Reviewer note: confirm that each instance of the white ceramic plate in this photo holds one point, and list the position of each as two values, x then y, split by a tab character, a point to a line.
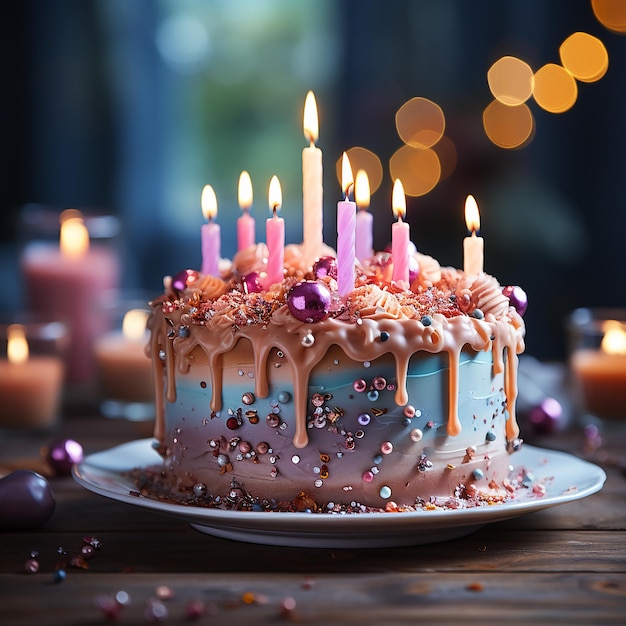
566	478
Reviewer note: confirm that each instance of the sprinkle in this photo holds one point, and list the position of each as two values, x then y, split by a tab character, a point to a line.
384	336
478	474
248	398
416	435
386	447
367	477
364	419
427	320
385	492
409	411
284	397
490	436
295	459
372	395
478	314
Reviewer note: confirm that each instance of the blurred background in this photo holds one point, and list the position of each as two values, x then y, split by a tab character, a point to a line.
129	108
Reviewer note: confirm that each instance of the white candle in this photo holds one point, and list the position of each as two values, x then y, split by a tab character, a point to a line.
245	223
210	233
275	235
312	188
400	237
346	231
473	246
364	219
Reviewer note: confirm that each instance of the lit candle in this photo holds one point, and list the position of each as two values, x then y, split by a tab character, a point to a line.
346	231
210	233
125	369
66	282
245	223
312	189
400	237
473	246
30	386
364	219
275	235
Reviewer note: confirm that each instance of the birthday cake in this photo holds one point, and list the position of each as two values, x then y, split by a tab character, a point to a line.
290	397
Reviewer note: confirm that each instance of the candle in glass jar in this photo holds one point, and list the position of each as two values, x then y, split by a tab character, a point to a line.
30	385
245	223
400	237
275	235
210	233
473	246
66	282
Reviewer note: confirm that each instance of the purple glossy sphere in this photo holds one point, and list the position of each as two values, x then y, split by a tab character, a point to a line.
63	454
325	266
183	279
27	500
545	417
252	283
309	301
517	297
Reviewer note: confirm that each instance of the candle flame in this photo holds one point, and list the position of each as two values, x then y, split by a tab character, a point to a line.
614	340
275	195
311	125
472	216
347	180
244	191
74	238
398	199
134	324
208	201
17	346
362	190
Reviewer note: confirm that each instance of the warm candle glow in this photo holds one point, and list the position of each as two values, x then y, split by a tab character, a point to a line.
472	216
74	239
362	190
275	195
311	124
244	191
208	201
614	340
347	180
398	199
17	346
134	324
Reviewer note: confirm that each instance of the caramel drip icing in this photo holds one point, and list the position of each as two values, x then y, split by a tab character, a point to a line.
359	341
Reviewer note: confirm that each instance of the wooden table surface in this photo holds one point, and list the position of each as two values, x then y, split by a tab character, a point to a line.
563	565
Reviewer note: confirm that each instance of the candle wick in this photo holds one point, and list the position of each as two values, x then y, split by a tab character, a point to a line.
347	192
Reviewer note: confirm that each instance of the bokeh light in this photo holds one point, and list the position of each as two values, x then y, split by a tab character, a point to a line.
585	57
446	151
611	14
363	159
419	169
555	88
420	123
510	80
509	127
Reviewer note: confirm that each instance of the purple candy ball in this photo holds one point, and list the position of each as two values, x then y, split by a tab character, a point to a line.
309	301
252	283
517	297
545	417
325	266
27	500
63	454
183	279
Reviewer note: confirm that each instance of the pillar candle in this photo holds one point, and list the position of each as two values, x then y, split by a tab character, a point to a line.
346	231
312	188
245	223
210	233
364	219
400	237
67	282
473	246
275	235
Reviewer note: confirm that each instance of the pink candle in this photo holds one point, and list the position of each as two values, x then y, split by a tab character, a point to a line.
364	227
245	223
400	237
346	231
210	233
473	246
67	282
312	188
275	235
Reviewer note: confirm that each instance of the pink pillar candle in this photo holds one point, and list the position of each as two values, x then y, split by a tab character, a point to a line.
312	187
364	220
400	238
210	233
473	246
275	236
245	223
346	232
